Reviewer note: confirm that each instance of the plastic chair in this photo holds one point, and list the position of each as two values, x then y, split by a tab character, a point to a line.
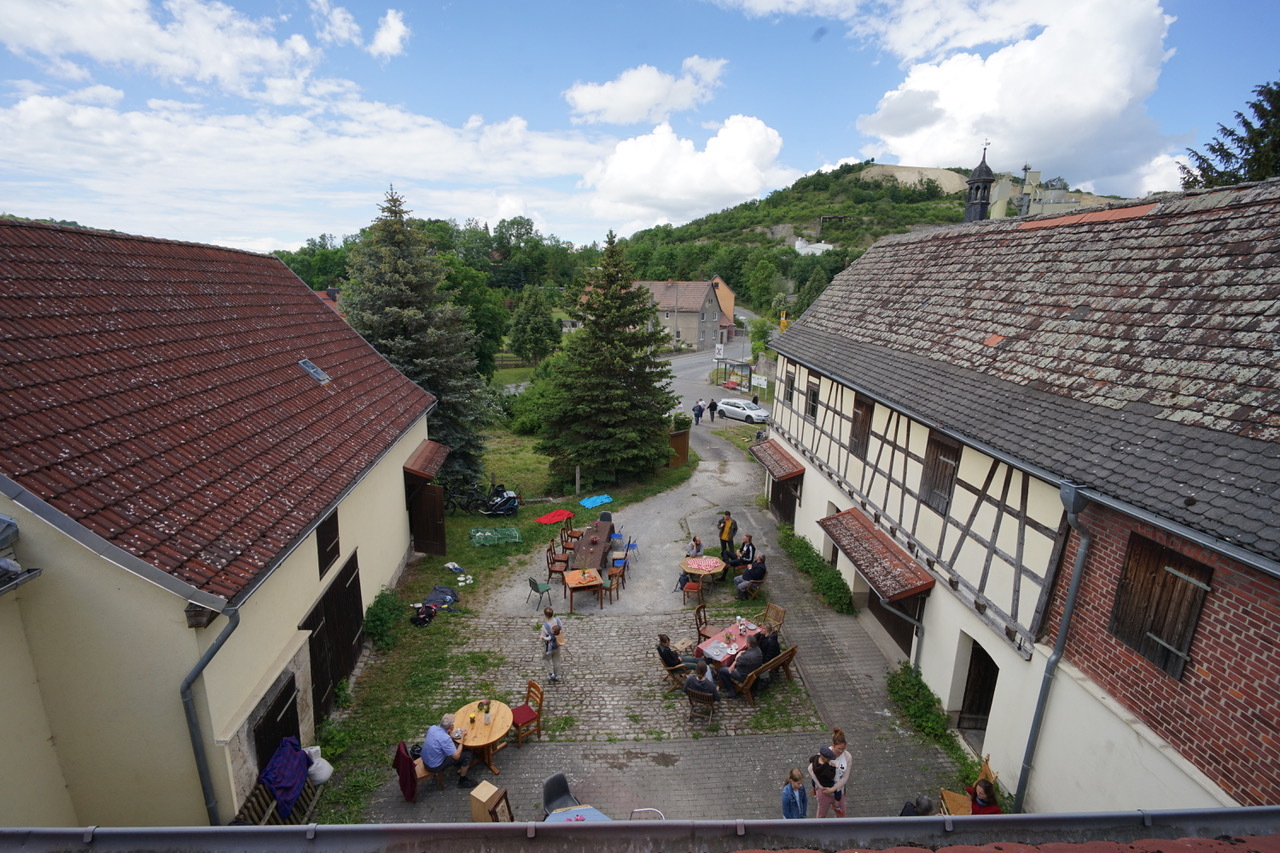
632	549
606	516
541	589
556	794
526	719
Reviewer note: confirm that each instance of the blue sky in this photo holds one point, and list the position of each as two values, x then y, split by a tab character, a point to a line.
259	123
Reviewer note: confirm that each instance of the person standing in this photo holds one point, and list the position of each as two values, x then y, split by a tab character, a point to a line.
842	765
711	409
552	637
823	774
728	530
698	409
755	399
795	802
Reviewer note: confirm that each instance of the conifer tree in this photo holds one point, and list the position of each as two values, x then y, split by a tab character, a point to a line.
392	300
1251	153
608	402
534	331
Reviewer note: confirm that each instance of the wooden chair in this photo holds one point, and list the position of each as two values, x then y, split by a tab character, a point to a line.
701	705
567	543
500	811
782	661
556	563
675	675
540	589
705	631
570	532
951	802
771	613
753	589
526	719
619	571
609	587
424	773
692	589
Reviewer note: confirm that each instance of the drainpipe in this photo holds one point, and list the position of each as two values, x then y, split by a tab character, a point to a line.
919	626
1074	502
193	721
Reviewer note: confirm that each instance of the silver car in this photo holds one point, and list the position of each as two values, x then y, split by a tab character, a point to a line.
742	410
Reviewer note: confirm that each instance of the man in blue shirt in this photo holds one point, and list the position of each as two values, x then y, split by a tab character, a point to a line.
440	749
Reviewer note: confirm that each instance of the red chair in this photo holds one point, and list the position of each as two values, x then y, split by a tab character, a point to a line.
529	715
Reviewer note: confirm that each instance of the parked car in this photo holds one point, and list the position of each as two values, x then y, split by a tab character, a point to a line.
742	410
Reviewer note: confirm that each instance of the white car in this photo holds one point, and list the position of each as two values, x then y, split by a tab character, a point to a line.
742	410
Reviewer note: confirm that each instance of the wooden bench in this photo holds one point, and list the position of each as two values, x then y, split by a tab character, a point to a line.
260	807
782	661
956	803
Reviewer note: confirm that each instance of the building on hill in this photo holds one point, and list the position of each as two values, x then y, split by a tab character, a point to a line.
1057	487
691	311
209	468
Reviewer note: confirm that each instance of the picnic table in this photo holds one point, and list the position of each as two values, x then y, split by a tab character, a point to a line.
494	535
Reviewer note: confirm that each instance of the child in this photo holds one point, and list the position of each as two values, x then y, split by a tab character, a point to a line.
552	642
795	802
823	773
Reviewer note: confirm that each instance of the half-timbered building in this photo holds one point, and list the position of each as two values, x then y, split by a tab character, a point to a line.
1045	454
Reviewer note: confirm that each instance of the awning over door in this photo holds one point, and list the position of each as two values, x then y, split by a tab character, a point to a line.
427	459
877	557
780	464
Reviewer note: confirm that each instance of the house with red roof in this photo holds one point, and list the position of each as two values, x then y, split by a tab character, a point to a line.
692	311
1045	455
205	477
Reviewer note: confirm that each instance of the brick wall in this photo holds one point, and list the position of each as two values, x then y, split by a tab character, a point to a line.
1224	714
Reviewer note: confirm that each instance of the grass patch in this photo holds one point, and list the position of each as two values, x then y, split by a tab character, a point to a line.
922	710
512	375
740	435
781	706
827	580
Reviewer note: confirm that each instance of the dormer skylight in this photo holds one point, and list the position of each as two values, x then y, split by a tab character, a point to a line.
316	373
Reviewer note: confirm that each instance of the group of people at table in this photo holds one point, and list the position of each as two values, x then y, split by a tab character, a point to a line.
730	557
731	668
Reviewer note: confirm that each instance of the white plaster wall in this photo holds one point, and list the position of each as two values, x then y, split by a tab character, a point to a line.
32	789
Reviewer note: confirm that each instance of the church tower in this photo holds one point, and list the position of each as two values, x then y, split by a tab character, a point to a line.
979	199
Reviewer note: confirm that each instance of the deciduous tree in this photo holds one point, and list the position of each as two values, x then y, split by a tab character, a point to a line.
534	331
393	300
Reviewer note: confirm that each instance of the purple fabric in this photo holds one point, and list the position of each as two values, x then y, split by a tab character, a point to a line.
286	774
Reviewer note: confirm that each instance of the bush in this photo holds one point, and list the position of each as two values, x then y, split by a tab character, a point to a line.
385	619
923	711
827	580
681	421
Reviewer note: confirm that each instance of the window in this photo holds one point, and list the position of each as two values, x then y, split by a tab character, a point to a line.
702	316
327	542
941	459
316	373
860	428
1158	603
811	403
790	393
667	316
715	315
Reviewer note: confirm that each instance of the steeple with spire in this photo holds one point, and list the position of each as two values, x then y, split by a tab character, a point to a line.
979	199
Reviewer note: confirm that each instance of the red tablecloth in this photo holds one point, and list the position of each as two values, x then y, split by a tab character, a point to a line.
554	516
739	638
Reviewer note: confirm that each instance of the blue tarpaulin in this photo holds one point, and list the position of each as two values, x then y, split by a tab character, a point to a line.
595	500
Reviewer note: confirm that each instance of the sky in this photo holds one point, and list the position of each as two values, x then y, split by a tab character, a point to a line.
257	124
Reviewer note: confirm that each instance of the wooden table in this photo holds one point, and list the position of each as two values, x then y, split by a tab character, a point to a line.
592	555
583	580
701	567
484	739
740	638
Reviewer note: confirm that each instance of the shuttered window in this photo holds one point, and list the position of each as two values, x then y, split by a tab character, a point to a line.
860	429
941	460
1158	603
327	542
790	394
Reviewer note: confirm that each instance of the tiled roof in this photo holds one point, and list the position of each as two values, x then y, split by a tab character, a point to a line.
1135	350
780	464
876	556
427	459
151	391
677	295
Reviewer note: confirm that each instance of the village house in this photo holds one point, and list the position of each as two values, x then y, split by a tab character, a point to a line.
690	311
1045	454
205	477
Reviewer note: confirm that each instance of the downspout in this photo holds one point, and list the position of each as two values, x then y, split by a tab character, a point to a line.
193	720
1074	502
884	602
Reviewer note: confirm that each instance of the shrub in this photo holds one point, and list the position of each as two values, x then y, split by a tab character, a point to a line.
681	421
923	711
827	580
385	619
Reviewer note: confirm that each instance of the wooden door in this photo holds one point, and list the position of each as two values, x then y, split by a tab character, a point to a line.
425	502
336	624
979	690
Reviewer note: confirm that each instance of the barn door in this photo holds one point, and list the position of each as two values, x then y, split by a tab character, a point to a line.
425	502
336	624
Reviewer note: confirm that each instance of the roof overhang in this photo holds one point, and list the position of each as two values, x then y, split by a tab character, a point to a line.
427	459
780	464
876	556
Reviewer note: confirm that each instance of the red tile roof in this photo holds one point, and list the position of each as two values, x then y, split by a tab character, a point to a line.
150	390
878	558
427	459
780	464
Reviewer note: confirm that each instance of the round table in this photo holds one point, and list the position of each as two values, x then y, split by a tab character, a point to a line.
484	739
702	566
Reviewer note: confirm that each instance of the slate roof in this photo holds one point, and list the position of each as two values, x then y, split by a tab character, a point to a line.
1133	349
677	295
150	390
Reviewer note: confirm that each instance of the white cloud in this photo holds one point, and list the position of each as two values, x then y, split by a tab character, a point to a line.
392	33
660	177
334	24
645	94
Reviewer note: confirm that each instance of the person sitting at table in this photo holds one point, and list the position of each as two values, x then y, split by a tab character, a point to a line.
695	548
441	751
670	657
770	646
754	572
747	555
748	661
700	680
982	798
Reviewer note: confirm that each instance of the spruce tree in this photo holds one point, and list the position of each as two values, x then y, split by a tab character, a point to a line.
393	301
608	402
534	331
1251	153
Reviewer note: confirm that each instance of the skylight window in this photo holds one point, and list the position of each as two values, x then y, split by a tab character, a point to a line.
316	373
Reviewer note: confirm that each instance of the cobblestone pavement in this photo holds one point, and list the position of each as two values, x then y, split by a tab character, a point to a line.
624	742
